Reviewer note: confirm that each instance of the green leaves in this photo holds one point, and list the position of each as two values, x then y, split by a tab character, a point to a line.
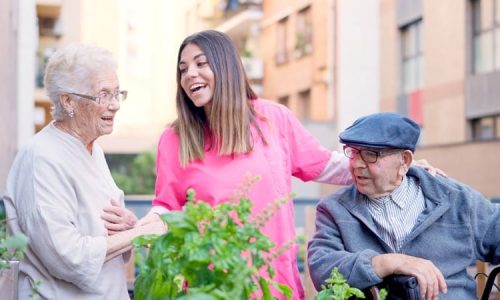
11	247
208	253
338	289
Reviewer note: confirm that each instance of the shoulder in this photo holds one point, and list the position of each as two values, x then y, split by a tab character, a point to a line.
270	108
336	201
438	186
168	138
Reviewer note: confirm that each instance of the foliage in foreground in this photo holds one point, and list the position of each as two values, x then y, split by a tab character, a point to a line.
338	289
210	253
11	247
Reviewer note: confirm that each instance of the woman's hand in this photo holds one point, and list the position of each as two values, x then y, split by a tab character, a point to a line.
150	217
432	170
117	218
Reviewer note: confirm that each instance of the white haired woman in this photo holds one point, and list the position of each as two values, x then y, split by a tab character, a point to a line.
60	192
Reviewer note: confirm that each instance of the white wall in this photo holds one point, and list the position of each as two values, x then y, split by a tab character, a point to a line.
358	60
27	41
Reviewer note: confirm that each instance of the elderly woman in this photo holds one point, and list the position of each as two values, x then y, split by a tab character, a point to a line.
60	192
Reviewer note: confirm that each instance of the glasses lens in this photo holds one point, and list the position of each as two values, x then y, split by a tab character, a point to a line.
122	95
368	156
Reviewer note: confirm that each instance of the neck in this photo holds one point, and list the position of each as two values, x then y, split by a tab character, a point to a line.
71	129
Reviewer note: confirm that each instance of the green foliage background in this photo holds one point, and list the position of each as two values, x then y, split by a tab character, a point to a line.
134	174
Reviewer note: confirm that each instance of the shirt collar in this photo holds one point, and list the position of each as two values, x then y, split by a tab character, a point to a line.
397	196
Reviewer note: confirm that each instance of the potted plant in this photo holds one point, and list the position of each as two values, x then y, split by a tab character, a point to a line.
210	253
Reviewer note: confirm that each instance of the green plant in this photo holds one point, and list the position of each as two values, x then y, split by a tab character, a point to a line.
138	177
11	247
338	289
210	253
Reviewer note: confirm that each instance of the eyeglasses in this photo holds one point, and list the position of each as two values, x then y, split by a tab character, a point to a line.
368	156
105	97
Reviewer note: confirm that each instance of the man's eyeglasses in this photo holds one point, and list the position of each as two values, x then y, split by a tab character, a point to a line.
368	156
105	97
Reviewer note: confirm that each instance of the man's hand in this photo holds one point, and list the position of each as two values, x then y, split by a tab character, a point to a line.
117	218
430	279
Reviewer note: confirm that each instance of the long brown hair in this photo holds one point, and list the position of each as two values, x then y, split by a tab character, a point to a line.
231	114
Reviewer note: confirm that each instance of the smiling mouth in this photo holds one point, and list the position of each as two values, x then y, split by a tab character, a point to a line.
197	87
107	118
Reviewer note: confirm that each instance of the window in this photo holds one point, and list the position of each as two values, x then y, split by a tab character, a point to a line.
412	57
485	35
304	105
412	71
281	56
486	128
284	101
303	34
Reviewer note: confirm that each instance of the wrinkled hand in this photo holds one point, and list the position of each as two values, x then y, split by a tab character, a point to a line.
430	279
149	218
432	170
117	218
156	227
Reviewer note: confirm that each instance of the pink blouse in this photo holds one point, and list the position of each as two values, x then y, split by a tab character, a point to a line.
290	151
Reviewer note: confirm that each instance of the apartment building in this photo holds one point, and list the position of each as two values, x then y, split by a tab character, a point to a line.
440	65
316	63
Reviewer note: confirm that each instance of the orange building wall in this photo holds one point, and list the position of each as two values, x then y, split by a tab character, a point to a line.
297	74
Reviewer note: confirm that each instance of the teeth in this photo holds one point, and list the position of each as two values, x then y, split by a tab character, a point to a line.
196	87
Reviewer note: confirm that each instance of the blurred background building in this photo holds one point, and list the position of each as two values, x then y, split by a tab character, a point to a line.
329	61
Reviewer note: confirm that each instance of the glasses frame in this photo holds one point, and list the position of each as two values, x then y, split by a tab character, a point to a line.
97	99
376	153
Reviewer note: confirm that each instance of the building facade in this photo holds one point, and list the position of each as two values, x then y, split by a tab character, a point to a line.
440	65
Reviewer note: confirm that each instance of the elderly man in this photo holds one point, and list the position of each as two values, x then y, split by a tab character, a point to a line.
397	219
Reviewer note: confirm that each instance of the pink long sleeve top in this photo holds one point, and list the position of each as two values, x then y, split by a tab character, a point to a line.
290	151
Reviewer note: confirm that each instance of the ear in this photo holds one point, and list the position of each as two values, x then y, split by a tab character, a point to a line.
66	102
406	160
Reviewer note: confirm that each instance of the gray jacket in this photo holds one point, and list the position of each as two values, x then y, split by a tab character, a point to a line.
457	227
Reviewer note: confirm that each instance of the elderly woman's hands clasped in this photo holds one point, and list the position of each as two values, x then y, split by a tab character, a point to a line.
117	218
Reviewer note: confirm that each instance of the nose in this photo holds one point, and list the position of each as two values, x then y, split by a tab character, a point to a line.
191	71
115	104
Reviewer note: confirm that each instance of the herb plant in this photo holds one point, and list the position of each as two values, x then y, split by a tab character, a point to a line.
11	247
338	289
210	253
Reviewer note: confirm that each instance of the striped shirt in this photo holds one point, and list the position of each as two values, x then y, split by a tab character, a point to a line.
395	215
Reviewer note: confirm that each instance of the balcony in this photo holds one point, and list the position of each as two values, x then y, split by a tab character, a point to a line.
240	17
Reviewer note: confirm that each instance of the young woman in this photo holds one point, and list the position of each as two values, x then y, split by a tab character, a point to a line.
224	132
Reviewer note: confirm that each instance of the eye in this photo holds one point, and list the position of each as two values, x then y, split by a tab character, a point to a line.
370	154
182	70
202	63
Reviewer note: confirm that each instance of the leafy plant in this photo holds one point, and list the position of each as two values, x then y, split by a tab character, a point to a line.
11	247
210	253
338	289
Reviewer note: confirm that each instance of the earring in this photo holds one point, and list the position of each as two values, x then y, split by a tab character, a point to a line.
71	113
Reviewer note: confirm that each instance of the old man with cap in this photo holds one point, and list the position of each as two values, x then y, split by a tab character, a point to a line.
397	219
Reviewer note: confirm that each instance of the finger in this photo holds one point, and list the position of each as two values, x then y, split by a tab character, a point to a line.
111	218
116	227
422	285
443	287
441	172
117	210
112	232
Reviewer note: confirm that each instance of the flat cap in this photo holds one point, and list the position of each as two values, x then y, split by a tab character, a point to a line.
382	130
